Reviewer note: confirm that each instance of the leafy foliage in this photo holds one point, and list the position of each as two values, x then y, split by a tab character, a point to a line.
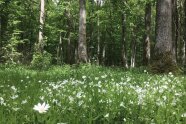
41	60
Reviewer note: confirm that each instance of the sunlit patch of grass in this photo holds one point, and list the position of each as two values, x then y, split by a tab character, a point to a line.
89	94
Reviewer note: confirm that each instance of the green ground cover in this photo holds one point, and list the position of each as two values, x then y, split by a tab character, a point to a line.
91	95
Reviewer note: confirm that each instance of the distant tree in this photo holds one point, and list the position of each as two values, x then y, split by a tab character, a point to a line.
147	48
40	45
82	48
124	48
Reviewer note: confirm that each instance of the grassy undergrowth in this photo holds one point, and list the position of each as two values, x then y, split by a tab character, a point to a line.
90	94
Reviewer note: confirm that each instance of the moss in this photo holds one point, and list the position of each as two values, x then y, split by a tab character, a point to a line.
164	63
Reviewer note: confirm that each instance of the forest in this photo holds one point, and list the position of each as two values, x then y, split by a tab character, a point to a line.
125	33
92	61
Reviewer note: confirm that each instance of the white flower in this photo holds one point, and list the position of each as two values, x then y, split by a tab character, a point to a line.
13	88
14	96
107	115
84	77
24	102
122	104
15	109
41	108
96	78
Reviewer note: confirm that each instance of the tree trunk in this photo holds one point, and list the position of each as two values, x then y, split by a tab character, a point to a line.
164	61
70	29
4	18
98	41
82	48
1	42
146	51
103	54
133	51
60	51
124	50
185	35
42	20
174	28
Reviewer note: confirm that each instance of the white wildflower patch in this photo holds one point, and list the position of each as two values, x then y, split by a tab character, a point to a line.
95	96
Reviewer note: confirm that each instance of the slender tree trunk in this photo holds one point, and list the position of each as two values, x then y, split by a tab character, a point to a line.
180	43
4	18
98	41
164	61
174	28
91	40
70	29
1	42
124	48
103	54
133	51
147	48
185	35
60	51
82	48
98	34
0	32
41	20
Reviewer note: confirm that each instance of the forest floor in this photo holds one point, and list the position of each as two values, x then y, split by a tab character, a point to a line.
90	94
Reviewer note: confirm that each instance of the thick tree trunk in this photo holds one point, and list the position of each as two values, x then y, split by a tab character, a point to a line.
164	27
164	61
124	48
147	48
41	20
82	48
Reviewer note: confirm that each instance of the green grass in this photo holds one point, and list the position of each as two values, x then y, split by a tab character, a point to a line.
89	94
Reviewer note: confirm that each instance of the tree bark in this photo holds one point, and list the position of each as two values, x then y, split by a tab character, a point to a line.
174	28
147	48
41	20
164	27
185	36
124	50
164	61
98	41
60	51
82	48
133	51
70	29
